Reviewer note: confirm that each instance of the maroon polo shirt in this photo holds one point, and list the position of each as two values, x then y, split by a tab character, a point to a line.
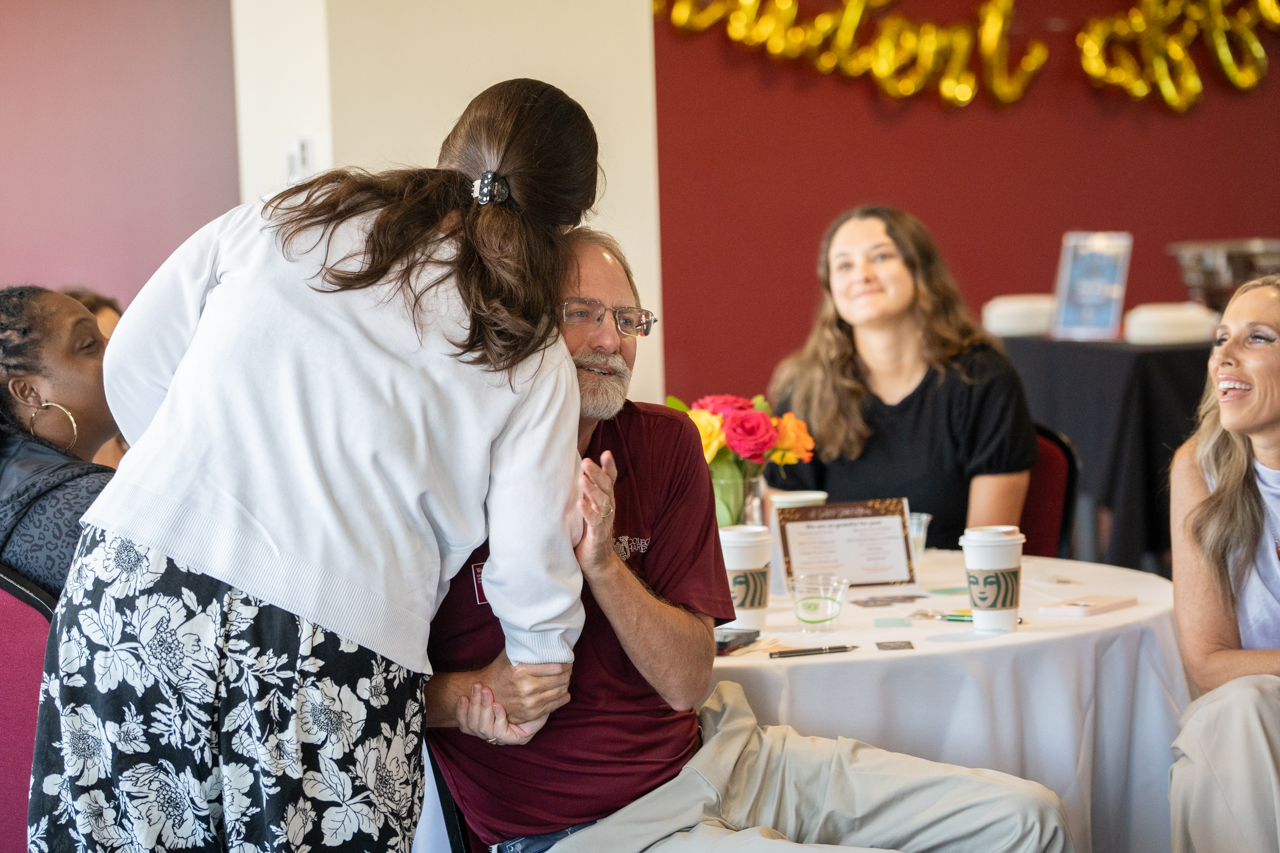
616	739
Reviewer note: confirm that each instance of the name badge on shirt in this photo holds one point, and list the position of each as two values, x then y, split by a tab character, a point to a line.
476	570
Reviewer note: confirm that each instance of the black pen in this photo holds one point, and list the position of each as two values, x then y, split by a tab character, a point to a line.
824	650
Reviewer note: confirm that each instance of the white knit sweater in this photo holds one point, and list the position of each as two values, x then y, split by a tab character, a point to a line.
317	451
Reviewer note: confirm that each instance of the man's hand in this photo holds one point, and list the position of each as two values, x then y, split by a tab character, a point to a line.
595	551
672	648
526	691
480	716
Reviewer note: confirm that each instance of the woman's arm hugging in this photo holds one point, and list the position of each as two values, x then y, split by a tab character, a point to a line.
157	330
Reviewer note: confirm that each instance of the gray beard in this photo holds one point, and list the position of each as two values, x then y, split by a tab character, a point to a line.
602	396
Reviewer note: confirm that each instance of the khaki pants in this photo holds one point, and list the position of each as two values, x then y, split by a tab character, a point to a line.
771	790
1224	789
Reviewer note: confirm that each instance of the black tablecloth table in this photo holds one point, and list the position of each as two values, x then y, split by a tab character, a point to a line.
1126	408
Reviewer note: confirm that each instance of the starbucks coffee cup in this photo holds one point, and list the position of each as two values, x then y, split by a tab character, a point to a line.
778	566
746	558
993	564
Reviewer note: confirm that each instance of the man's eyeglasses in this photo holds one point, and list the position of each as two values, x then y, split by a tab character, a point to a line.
632	322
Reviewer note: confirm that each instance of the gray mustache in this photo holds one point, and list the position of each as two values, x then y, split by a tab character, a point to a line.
613	361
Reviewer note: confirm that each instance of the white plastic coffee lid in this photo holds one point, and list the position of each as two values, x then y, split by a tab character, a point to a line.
997	534
782	500
744	534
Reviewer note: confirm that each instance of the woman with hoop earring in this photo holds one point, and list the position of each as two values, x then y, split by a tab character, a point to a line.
53	419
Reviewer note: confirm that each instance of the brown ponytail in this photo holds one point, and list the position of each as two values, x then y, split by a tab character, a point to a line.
511	256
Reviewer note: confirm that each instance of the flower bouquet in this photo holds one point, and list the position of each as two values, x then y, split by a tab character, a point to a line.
738	437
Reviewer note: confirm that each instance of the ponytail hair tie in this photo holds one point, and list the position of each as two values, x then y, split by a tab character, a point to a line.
490	188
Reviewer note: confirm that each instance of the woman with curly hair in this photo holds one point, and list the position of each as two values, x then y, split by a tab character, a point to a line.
53	419
903	394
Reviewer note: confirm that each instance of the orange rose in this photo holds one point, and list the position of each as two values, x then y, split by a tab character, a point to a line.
794	442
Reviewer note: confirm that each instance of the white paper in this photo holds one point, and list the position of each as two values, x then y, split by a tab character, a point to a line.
869	550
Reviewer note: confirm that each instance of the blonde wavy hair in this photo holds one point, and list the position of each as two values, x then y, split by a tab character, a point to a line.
823	382
1227	525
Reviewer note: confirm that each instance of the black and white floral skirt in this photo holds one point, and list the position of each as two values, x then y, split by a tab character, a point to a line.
179	713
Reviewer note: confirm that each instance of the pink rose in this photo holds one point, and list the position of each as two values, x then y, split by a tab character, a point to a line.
722	404
750	434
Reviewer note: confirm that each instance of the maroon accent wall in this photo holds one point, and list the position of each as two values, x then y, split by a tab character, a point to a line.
757	156
117	137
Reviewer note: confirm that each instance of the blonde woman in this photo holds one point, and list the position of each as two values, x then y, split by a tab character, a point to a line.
903	394
1223	787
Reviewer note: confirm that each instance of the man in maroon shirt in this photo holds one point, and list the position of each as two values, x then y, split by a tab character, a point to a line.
609	760
651	598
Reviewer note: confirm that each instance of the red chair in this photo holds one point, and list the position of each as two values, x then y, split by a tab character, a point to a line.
25	613
1049	512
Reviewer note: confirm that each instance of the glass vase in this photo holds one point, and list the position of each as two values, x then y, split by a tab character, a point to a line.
738	498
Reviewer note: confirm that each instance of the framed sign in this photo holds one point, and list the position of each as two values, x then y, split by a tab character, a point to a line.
1092	272
867	542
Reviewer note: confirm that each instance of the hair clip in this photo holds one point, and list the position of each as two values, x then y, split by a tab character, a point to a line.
490	188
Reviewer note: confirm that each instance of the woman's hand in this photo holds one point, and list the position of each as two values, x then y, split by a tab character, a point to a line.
595	552
486	719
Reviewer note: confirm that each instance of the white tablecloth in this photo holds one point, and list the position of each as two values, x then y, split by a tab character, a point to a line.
1087	707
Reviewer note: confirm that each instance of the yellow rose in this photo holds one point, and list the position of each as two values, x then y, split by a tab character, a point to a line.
783	457
710	430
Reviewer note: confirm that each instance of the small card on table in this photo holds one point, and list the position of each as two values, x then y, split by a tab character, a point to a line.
887	600
867	542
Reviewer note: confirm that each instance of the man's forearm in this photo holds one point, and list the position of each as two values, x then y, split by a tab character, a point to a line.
672	648
525	691
440	697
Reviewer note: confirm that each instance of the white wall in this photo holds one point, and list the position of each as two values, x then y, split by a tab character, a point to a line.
282	90
403	71
388	78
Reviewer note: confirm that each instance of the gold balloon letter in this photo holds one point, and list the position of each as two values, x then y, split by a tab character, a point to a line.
1270	12
993	43
1164	49
1246	72
692	17
1106	61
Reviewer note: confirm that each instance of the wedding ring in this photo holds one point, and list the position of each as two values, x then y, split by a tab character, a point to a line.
607	514
492	740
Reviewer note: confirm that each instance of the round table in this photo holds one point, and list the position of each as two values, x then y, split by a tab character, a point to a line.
1087	707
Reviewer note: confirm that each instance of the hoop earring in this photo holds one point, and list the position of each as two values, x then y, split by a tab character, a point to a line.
75	430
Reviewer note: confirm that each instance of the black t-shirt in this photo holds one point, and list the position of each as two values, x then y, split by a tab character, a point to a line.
927	447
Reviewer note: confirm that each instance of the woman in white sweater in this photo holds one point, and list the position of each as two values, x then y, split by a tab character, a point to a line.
332	399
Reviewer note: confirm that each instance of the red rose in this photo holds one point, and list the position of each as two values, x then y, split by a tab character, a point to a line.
722	404
750	434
